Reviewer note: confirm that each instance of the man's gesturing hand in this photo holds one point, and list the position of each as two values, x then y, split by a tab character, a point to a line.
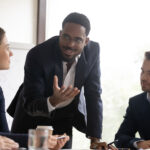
62	94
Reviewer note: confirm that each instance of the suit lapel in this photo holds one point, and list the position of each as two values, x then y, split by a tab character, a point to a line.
59	68
80	70
59	73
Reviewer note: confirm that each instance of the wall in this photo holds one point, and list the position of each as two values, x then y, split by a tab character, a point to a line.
18	18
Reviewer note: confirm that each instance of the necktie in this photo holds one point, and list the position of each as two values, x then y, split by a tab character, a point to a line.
69	66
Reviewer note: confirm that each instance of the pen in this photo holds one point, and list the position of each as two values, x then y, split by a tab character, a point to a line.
61	137
112	142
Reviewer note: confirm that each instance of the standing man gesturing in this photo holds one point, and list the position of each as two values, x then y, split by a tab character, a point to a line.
56	72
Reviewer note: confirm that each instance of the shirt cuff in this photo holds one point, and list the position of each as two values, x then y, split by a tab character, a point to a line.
135	143
50	107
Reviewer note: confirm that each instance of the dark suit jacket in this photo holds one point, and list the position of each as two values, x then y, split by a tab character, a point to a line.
42	63
3	121
136	120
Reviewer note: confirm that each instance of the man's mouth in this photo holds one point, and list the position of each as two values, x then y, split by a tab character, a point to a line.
68	51
144	84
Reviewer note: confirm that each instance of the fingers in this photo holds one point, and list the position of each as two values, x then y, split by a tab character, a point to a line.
55	82
62	94
52	141
70	92
6	143
65	137
74	92
56	144
112	147
62	89
10	141
62	142
99	145
9	146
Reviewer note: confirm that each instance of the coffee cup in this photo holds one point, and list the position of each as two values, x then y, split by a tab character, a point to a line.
50	128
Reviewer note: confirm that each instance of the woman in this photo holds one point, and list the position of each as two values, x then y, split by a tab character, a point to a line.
7	143
5	54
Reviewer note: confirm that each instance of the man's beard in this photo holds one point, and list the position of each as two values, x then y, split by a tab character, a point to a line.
145	88
70	60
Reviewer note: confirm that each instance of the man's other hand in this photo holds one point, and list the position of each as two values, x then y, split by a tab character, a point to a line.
143	144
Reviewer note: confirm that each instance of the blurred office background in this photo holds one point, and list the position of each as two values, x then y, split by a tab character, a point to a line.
122	27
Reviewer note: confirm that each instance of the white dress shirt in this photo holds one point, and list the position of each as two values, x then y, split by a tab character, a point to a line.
68	79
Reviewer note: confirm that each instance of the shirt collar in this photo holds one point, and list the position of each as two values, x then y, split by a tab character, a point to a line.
77	58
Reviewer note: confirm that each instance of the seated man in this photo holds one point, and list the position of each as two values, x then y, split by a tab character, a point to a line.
137	115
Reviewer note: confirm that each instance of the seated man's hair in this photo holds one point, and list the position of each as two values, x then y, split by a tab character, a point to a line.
78	18
147	55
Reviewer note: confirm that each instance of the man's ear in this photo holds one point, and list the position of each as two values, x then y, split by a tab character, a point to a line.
60	32
86	41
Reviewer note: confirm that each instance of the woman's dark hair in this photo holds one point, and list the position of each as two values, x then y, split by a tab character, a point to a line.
2	33
78	19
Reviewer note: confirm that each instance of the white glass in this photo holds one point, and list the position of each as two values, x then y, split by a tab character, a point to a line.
38	139
41	139
31	139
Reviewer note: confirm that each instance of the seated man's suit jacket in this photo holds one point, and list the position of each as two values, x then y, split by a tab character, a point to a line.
4	131
136	120
42	63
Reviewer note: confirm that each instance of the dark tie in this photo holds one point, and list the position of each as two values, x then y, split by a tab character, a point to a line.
69	65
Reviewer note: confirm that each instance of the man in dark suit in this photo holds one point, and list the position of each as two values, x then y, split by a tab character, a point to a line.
137	115
62	83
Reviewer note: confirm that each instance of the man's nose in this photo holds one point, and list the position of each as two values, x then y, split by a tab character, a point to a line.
10	53
143	76
71	43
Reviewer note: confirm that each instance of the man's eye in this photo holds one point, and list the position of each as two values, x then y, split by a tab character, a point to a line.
78	40
66	37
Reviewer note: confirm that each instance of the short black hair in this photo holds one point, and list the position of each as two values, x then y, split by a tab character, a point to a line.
2	33
147	55
78	19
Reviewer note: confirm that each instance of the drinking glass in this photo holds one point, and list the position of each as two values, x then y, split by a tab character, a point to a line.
31	139
41	139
